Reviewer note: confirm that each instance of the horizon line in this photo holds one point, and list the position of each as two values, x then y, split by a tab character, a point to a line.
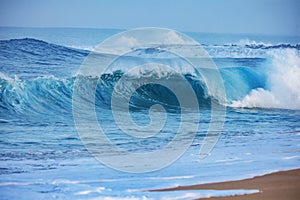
125	29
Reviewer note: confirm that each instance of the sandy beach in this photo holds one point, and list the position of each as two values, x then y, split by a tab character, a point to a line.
283	185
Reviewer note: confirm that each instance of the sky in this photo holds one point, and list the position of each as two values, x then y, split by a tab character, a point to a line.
270	17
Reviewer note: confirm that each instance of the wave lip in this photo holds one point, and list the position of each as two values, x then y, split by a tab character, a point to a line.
37	96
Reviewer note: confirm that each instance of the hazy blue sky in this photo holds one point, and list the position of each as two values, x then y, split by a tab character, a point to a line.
279	17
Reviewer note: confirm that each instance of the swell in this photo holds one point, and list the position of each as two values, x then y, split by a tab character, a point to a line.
31	58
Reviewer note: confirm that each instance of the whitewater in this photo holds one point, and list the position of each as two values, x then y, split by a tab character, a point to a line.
43	156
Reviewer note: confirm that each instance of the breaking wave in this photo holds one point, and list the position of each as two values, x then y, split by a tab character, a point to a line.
276	84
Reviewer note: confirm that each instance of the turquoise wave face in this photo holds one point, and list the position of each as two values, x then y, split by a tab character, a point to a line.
51	94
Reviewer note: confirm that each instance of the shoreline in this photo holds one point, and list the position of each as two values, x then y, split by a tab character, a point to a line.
274	186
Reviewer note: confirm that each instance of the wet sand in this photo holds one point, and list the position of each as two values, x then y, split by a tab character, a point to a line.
284	185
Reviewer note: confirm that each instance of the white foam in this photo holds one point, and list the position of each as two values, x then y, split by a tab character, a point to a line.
83	47
121	198
188	195
183	195
15	184
252	42
3	76
227	160
197	194
283	81
290	157
138	39
64	181
257	98
97	190
171	177
174	38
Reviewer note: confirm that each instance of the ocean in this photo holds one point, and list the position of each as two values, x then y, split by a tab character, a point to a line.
52	149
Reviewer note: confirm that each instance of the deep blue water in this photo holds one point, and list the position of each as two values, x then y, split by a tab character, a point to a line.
43	156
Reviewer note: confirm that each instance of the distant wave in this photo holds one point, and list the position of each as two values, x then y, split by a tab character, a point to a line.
33	58
40	48
278	46
36	47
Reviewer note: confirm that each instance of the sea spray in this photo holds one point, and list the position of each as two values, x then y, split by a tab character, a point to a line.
283	83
